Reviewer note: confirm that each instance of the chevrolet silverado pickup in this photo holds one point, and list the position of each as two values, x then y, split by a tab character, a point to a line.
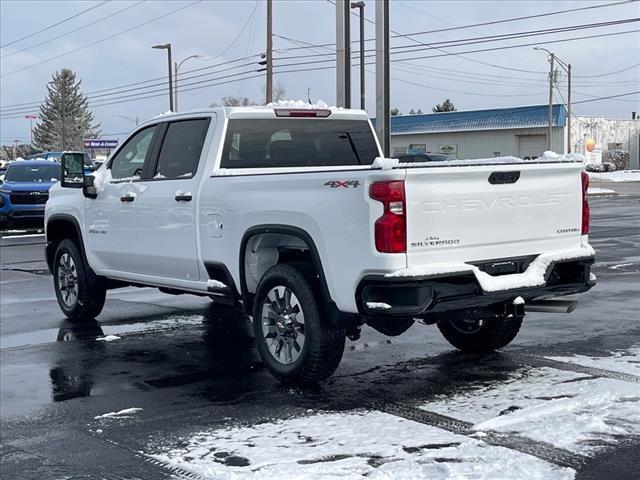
292	216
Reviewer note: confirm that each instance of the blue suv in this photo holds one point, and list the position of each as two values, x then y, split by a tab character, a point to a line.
25	190
56	156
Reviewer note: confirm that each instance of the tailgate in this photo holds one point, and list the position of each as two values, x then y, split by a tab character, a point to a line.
484	212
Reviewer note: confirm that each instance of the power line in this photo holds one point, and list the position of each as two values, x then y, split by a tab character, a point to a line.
610	73
487	38
481	50
101	40
73	31
55	24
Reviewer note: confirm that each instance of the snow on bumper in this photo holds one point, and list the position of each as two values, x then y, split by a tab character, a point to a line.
534	276
429	290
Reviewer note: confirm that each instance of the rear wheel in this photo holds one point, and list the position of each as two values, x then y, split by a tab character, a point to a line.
295	342
80	293
479	331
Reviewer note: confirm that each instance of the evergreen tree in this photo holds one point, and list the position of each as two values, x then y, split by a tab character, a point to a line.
395	112
65	118
446	106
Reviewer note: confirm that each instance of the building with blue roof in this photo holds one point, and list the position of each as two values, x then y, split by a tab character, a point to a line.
517	131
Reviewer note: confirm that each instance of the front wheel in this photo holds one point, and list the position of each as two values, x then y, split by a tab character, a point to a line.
295	342
479	331
79	291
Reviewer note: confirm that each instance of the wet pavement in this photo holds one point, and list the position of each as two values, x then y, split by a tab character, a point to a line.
172	387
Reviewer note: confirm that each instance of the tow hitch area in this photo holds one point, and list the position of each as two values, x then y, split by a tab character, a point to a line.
551	306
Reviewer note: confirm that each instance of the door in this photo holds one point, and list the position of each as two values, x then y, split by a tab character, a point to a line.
531	147
166	244
110	218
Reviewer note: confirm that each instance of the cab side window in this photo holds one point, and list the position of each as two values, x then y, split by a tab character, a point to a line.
181	148
128	162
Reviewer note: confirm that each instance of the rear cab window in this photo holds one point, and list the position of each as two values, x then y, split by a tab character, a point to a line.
309	142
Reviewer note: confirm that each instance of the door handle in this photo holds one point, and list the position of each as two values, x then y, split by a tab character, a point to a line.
183	197
128	197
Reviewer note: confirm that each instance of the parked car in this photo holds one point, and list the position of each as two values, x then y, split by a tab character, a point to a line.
288	215
88	163
424	157
25	190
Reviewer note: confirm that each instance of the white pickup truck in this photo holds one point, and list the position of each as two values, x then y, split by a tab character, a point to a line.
287	214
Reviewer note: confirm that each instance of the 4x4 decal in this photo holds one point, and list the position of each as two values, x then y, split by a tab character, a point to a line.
342	183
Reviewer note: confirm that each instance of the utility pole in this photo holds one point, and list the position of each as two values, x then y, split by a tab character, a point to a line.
15	145
343	54
382	76
551	79
269	87
360	5
569	108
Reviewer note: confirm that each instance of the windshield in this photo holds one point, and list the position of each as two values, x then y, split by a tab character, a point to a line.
33	173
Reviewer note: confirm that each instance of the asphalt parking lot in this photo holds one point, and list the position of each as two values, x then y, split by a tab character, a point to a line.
171	387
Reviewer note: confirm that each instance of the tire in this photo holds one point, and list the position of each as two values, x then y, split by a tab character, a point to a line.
295	342
80	293
479	331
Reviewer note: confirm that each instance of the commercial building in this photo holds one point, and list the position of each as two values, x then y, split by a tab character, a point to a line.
516	131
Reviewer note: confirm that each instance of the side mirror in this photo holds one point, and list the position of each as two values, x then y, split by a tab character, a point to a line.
88	188
72	165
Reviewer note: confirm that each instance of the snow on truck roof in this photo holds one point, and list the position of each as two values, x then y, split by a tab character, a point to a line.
269	111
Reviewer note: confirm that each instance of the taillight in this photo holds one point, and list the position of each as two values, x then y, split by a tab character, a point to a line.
586	214
391	227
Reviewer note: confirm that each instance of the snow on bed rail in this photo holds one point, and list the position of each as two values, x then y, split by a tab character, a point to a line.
548	157
532	277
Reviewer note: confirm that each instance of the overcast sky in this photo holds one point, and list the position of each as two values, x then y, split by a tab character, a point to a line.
213	29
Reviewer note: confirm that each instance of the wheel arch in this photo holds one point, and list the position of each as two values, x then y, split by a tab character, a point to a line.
336	317
60	227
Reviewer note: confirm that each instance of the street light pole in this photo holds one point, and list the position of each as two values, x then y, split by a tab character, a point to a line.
167	47
177	65
360	5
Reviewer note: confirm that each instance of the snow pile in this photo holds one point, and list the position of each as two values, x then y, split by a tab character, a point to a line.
378	306
121	414
216	284
350	446
534	276
168	112
300	104
385	163
222	172
566	409
619	176
518	301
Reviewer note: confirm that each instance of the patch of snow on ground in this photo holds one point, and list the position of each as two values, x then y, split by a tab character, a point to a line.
566	409
108	338
600	191
618	176
371	445
121	414
624	361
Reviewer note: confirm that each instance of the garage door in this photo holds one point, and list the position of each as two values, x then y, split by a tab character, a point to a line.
531	146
